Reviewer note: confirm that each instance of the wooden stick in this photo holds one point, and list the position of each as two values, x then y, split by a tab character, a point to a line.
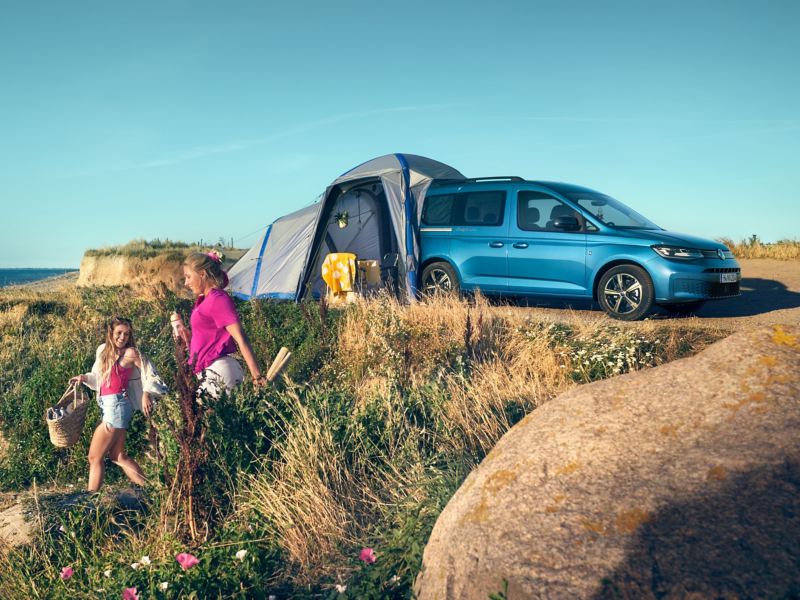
278	364
278	358
282	365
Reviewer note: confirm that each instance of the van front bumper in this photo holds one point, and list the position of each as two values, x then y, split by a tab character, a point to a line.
700	280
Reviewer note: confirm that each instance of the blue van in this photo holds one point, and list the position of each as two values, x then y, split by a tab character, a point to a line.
513	237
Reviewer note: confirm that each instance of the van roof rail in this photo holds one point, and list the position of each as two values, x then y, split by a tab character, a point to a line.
497	178
478	179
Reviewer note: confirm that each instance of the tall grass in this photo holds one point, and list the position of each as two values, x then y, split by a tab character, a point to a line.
383	411
150	248
755	248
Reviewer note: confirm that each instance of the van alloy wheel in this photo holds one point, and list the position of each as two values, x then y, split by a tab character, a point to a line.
625	292
439	278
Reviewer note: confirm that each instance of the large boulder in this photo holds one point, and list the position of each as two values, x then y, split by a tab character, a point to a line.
682	481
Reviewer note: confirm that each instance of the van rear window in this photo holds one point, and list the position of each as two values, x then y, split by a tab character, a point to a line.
465	208
438	210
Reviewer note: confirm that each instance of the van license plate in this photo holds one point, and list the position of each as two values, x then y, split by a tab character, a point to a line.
728	277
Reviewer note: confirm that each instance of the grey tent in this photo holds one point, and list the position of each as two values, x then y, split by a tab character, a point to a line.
382	200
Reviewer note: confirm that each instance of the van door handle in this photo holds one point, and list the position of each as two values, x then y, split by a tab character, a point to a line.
520	245
496	244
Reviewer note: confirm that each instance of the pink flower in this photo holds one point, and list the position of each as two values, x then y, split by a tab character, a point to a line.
186	560
367	555
130	594
66	573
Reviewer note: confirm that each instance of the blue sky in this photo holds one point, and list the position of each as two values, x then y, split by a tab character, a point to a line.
207	120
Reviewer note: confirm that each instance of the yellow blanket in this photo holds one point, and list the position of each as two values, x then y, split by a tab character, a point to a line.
339	271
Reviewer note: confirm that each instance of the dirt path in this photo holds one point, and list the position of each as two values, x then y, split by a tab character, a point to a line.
770	296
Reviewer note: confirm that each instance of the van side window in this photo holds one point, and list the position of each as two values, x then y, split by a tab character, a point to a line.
536	211
485	209
438	210
481	208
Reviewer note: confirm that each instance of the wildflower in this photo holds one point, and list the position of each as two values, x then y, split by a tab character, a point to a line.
145	560
130	594
341	588
107	573
62	529
135	565
186	560
67	572
241	554
394	580
163	586
367	555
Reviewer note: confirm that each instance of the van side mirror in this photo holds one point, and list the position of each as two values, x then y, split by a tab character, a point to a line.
566	223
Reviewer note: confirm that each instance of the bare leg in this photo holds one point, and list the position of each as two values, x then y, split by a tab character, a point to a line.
102	439
118	456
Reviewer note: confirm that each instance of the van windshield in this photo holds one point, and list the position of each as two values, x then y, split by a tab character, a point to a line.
610	212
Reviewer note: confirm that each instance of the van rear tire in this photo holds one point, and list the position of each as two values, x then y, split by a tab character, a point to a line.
625	292
439	278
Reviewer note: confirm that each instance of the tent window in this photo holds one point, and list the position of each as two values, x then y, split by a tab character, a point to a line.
438	210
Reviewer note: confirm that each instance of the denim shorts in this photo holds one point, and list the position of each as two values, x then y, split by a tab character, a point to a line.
117	410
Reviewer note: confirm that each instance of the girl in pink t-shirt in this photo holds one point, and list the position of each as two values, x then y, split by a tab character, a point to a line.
215	328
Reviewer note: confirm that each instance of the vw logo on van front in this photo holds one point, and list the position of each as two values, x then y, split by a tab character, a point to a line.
720	254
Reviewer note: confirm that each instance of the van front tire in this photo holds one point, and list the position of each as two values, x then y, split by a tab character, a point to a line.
439	278
625	292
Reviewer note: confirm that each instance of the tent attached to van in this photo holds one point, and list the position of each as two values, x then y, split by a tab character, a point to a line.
371	211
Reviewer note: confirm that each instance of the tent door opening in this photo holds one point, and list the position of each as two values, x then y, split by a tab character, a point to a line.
357	221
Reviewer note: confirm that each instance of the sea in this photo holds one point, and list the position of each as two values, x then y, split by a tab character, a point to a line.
20	276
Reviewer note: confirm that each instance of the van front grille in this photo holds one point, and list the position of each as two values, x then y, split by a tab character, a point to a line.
726	254
707	289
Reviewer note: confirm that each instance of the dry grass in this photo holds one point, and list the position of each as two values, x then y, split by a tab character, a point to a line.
60	312
755	248
303	494
479	368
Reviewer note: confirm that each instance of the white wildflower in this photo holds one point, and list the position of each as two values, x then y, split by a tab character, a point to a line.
341	588
163	586
135	565
145	560
107	573
241	554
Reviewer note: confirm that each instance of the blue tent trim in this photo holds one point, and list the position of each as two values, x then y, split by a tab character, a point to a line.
270	296
277	296
258	263
409	206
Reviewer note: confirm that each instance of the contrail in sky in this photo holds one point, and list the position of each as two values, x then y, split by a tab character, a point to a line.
202	151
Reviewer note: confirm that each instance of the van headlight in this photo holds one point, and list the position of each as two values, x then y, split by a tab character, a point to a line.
677	252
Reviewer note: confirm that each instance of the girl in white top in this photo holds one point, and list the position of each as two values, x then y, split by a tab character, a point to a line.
124	380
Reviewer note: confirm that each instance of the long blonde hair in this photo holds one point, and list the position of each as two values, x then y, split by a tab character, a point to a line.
211	265
108	356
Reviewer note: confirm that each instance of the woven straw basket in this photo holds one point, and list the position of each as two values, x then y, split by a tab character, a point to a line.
64	432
